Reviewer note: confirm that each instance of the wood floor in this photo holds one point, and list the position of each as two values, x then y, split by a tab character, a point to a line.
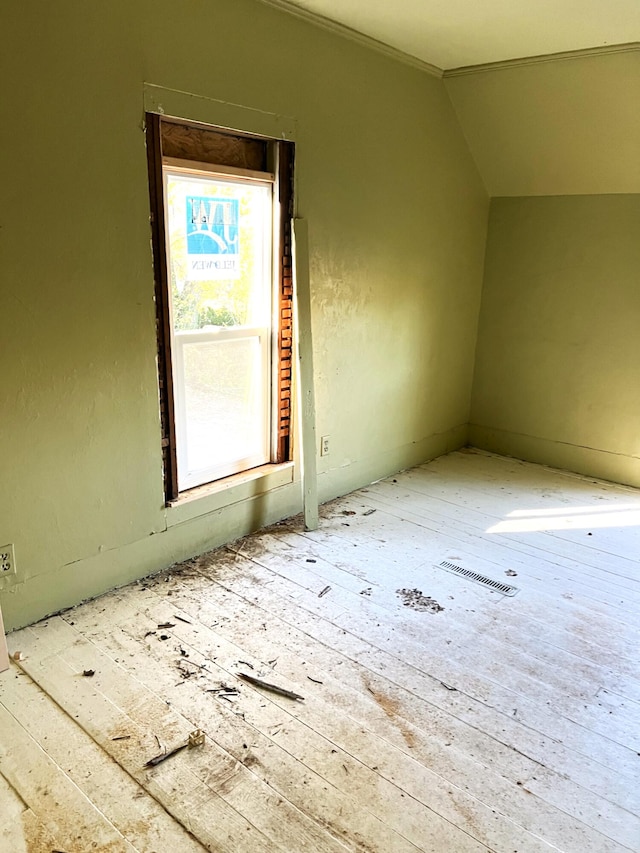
438	714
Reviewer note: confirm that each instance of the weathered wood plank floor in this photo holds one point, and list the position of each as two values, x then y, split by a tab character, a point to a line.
447	717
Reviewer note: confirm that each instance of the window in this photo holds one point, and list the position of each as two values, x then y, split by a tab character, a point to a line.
221	211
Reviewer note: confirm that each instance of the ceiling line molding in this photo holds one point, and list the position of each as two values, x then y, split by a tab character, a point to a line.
548	57
355	36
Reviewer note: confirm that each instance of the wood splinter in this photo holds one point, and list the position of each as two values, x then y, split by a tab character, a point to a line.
272	687
196	738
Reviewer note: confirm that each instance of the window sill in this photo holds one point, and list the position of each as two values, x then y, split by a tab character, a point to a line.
230	490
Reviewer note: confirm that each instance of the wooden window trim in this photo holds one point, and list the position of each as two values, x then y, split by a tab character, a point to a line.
285	307
163	330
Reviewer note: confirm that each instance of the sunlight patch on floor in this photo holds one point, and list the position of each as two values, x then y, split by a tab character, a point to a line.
576	518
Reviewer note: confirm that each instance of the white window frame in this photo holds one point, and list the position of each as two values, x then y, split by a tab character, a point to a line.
266	335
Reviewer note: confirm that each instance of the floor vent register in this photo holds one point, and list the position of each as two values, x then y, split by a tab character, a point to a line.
497	586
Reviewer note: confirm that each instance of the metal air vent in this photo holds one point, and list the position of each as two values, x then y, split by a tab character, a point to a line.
476	577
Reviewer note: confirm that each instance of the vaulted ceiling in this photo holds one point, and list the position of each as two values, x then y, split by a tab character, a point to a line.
547	92
456	33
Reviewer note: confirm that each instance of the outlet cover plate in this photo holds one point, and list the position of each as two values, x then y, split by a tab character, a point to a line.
7	565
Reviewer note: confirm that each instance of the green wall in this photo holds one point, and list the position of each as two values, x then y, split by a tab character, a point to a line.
554	126
397	220
556	378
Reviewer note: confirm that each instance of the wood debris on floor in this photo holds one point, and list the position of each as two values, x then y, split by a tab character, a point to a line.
438	715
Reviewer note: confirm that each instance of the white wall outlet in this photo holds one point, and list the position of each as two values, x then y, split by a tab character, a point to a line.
7	562
324	445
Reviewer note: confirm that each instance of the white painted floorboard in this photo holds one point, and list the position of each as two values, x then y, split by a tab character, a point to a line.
509	724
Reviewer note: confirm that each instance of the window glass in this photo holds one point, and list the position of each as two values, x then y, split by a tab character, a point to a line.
219	237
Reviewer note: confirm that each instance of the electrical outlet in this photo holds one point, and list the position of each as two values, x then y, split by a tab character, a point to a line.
7	562
324	445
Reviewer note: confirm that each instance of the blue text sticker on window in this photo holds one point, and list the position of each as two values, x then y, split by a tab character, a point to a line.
212	238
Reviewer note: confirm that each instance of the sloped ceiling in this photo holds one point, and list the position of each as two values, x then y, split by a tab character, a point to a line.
454	33
565	127
539	120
